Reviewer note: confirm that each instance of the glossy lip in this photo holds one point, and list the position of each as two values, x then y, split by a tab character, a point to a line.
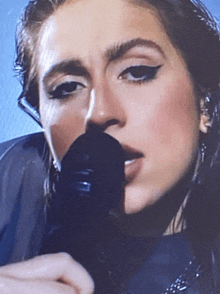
133	159
132	170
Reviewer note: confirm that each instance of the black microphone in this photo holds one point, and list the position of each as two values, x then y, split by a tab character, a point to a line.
90	186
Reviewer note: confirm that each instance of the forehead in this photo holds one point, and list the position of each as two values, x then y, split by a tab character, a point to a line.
86	28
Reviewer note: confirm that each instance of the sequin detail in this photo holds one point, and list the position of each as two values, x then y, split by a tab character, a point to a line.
191	273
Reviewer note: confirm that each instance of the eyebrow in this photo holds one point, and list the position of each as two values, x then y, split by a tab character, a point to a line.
69	67
118	51
76	67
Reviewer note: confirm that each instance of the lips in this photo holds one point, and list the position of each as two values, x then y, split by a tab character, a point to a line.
133	162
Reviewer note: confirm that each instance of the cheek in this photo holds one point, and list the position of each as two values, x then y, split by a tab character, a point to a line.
176	117
175	131
174	137
168	130
62	126
167	115
63	132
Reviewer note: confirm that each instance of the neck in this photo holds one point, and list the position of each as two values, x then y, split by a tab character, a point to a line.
178	223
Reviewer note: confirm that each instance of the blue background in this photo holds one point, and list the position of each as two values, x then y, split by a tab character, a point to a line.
13	122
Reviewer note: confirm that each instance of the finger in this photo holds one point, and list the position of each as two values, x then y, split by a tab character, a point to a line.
58	266
19	286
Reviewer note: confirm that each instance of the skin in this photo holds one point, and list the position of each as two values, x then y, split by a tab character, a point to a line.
159	118
52	273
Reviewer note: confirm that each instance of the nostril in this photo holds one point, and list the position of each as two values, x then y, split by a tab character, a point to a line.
93	127
101	126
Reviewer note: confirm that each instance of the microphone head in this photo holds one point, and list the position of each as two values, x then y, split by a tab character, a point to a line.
91	179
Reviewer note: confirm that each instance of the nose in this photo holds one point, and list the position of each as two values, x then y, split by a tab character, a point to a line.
105	110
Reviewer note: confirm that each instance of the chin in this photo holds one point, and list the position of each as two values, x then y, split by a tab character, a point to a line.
139	199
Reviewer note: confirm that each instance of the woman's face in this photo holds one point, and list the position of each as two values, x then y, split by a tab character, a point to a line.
111	64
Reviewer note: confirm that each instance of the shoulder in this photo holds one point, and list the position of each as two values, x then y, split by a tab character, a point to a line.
23	169
25	143
25	156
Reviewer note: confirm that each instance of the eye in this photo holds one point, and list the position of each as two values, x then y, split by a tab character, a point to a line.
65	89
140	73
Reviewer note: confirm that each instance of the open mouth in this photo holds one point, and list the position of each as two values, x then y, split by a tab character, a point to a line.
133	162
130	154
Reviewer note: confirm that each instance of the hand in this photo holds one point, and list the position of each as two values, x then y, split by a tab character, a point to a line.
46	274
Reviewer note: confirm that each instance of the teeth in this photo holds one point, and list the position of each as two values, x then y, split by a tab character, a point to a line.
129	161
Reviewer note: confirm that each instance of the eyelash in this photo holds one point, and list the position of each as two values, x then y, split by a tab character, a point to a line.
64	90
134	74
139	74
